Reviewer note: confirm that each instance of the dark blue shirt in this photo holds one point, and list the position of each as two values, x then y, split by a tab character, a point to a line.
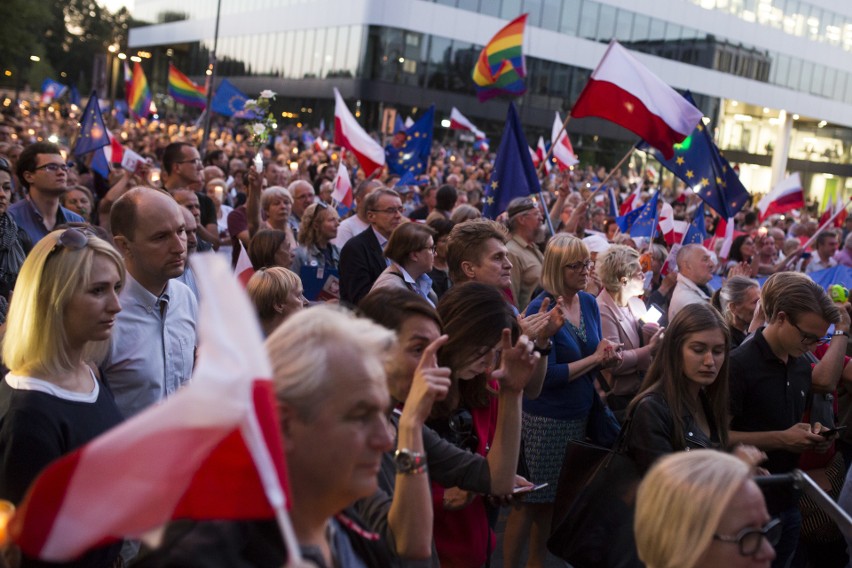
29	218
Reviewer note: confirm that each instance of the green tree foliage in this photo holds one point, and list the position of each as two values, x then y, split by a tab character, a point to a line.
22	25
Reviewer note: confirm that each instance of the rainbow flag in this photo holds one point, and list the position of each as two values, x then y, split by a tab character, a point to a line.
184	91
138	93
500	68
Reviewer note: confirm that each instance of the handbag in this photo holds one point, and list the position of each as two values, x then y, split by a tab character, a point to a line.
602	427
592	525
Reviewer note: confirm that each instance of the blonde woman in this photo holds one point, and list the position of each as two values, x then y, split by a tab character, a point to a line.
701	509
317	229
276	294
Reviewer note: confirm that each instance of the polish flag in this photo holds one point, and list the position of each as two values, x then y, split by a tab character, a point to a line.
212	451
541	152
342	192
562	149
632	202
320	144
534	155
115	153
840	207
349	134
458	121
787	195
672	229
244	269
625	92
829	210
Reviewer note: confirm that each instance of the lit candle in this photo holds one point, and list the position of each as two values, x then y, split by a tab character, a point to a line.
7	509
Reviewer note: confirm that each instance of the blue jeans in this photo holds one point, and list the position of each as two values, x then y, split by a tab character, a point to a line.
791	519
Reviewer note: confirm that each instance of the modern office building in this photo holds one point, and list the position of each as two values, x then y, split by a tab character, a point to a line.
774	77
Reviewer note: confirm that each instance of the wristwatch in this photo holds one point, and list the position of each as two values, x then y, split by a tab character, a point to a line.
544	351
840	332
408	462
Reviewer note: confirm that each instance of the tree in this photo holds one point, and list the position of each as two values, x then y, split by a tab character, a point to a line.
22	24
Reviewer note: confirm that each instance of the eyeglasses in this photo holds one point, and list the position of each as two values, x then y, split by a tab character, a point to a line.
389	210
583	264
53	168
750	540
808	338
432	248
71	239
196	161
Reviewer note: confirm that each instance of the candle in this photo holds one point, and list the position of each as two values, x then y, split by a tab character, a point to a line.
7	509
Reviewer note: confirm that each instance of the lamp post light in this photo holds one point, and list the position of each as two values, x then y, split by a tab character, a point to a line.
113	80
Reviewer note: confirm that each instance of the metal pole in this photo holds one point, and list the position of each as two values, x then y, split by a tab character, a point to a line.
203	149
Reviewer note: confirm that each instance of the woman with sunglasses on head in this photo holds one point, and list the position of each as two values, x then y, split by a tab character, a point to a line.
317	230
60	322
702	510
491	363
562	410
14	241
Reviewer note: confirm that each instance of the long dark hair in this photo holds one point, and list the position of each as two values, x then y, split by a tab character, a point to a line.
474	317
666	373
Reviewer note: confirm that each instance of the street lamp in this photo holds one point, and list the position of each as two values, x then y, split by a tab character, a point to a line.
113	49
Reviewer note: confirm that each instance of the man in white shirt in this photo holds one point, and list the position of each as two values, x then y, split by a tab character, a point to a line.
695	269
826	247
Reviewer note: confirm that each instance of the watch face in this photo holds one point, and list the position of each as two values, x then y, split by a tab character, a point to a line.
404	461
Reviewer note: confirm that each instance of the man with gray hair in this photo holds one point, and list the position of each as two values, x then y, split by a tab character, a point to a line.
303	195
695	269
526	229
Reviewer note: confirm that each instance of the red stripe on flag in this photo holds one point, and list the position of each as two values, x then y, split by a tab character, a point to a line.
341	140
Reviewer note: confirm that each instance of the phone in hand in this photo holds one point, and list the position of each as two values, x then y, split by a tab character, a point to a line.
529	488
832	431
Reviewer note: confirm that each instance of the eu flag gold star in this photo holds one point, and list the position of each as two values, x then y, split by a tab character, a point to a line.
680	160
690	174
705	181
489	200
494	184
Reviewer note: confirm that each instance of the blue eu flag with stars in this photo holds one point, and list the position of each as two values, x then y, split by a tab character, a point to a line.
230	101
93	131
514	174
696	233
645	224
413	156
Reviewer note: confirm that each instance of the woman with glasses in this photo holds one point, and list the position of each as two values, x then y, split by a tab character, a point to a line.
316	231
562	410
411	252
491	363
14	241
701	509
623	281
60	322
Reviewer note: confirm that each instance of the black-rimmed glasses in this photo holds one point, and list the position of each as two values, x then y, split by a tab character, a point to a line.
750	540
53	168
390	210
807	338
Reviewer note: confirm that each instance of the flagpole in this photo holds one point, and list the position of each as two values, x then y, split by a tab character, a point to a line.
212	78
553	145
610	174
818	231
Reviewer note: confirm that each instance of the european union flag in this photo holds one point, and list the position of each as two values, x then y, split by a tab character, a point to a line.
413	156
624	222
229	100
74	97
696	234
613	203
645	224
514	174
99	164
398	124
699	164
93	131
408	178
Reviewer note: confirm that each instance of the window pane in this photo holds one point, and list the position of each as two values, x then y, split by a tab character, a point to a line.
570	17
623	25
806	77
298	55
550	15
533	8
356	49
511	9
589	19
286	64
606	23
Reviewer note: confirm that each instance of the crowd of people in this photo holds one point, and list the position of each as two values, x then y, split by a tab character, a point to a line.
431	365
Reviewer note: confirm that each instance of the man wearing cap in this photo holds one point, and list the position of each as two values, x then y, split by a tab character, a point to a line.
525	228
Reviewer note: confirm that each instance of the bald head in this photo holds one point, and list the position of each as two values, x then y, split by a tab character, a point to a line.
123	217
695	263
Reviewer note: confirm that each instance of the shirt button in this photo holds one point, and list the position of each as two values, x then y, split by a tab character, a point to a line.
689	433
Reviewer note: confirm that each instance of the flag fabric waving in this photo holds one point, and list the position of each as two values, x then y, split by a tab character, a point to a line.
184	91
342	192
645	223
613	202
541	154
696	233
138	93
51	90
787	195
413	156
458	121
514	174
500	68
673	230
625	92
563	151
212	451
349	134
93	131
229	100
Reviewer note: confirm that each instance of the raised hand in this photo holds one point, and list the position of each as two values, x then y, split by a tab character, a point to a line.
430	383
516	364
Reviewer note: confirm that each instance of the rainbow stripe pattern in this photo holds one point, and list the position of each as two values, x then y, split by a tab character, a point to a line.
138	93
500	68
184	91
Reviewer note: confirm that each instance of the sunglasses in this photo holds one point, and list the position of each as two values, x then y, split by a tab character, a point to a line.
71	239
750	540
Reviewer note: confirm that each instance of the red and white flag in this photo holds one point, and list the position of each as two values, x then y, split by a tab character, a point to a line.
541	153
787	195
534	155
212	451
625	92
244	269
841	211
632	202
562	149
342	192
458	121
829	210
116	153
349	134
672	230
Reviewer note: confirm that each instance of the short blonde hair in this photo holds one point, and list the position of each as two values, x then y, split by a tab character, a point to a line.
561	250
269	287
299	351
274	192
616	263
35	342
680	503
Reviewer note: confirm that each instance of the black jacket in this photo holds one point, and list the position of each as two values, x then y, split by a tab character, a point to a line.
361	262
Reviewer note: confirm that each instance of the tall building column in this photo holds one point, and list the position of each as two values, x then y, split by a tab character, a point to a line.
782	148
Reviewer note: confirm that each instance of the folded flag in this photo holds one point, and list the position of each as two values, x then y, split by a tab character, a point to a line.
500	68
349	134
138	93
787	195
184	91
212	451
625	92
514	174
458	121
563	151
93	131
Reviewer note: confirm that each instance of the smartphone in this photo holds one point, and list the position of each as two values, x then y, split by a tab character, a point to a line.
806	255
832	431
529	488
